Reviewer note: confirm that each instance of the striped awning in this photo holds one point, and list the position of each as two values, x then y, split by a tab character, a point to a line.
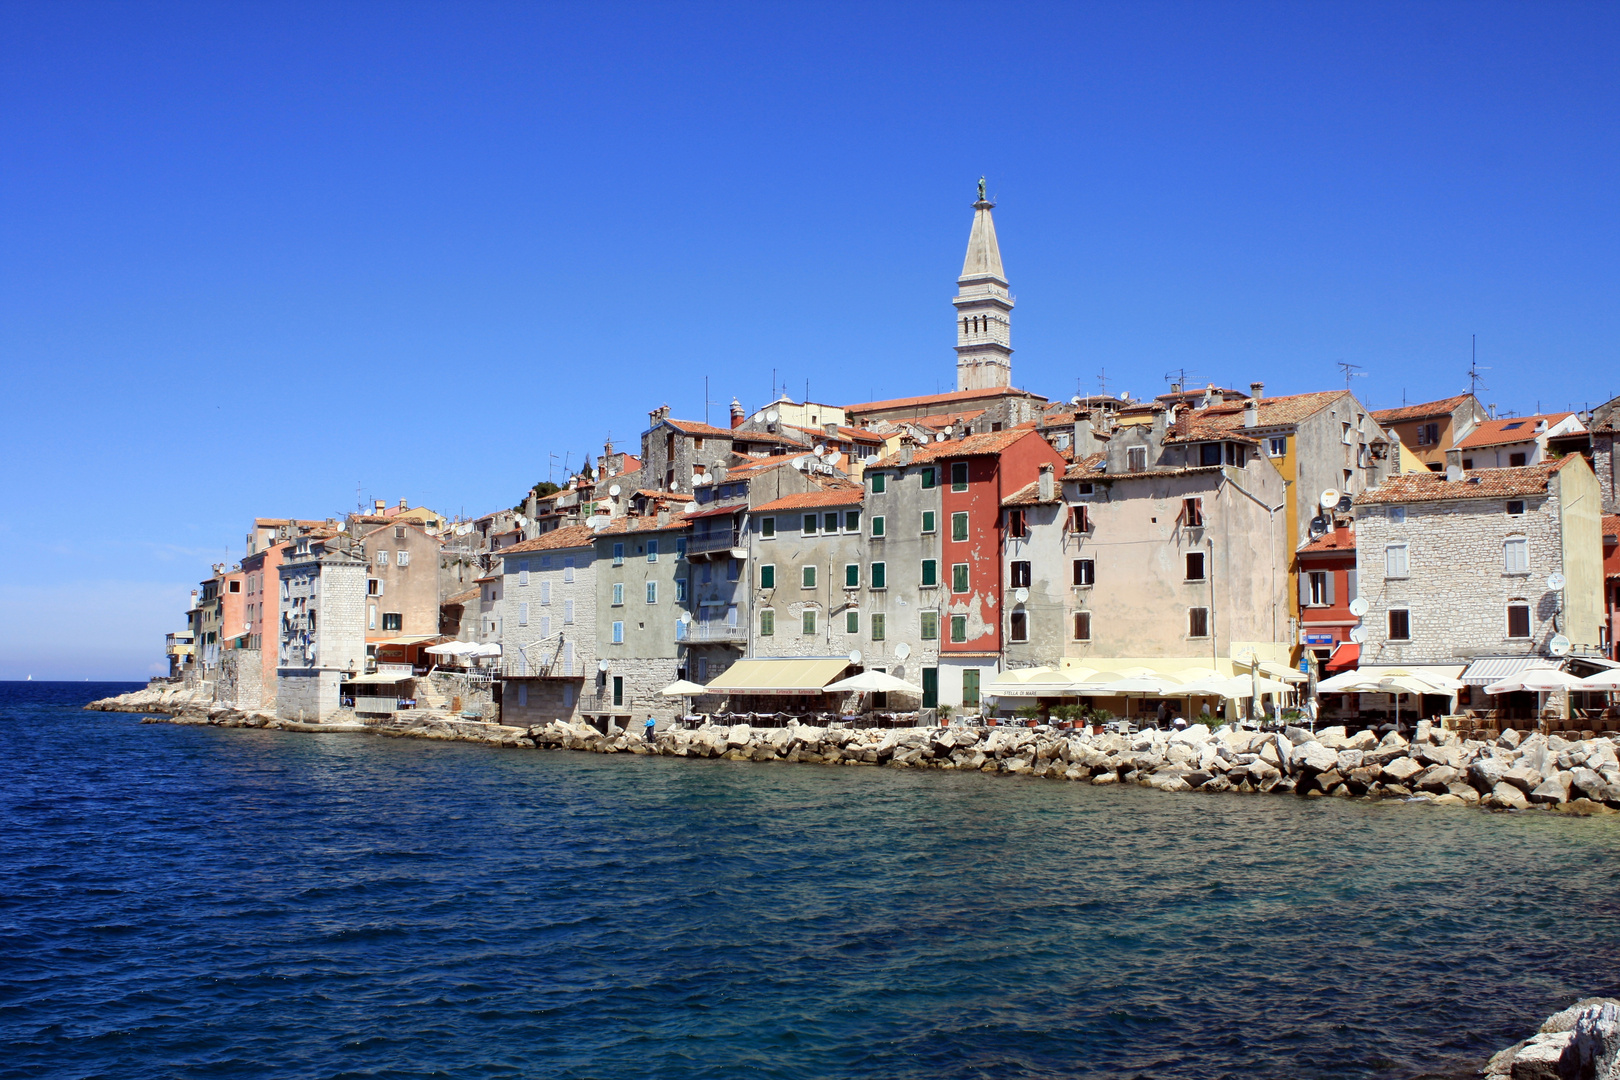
1491	669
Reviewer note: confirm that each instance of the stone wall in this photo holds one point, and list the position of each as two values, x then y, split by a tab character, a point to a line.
307	694
540	701
241	678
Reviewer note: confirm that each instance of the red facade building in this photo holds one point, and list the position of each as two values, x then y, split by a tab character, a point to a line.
1327	584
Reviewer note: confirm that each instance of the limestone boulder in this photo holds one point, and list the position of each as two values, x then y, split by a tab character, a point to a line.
1509	738
1399	771
738	736
1554	789
1523	778
1437	779
1349	761
1315	758
1505	796
1362	740
1541	1058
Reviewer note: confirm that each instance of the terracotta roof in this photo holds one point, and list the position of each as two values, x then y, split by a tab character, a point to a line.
462	597
692	427
1030	495
941	420
1193	429
1086	468
1273	411
1337	540
743	471
850	496
991	442
716	511
1443	407
621	525
852	434
568	536
940	399
1475	484
1510	429
1611	525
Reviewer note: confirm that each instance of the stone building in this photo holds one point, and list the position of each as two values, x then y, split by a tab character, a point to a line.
1429	429
678	455
1457	569
813	580
548	617
638	614
322	634
1168	549
403	587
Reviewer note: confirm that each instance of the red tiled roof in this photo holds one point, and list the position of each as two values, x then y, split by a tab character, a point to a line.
1337	540
1273	411
850	496
991	442
852	434
737	472
568	536
1443	407
1475	484
940	399
1192	429
716	511
1497	433
692	427
1030	495
462	597
1611	525
1085	468
621	525
941	420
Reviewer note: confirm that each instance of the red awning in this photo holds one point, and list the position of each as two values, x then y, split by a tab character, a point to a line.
1345	657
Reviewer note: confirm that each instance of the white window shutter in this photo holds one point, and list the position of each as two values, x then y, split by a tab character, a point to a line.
523	613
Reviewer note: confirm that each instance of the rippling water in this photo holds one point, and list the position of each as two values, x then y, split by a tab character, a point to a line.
196	902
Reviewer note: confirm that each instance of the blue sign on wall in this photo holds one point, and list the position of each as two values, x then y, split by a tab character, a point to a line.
1318	639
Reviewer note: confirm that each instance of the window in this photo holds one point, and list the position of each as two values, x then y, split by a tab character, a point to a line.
1428	434
733	569
1195	566
545	626
1395	562
1085	572
958	628
959	577
652	551
929	629
767	623
877	526
680	547
1192	510
807	577
880	483
371	620
523	614
927	521
852	521
767	528
373	587
618	682
1318	588
652	592
1515	508
807	625
1516	461
1198	622
618	594
807	524
393	620
568	612
878	626
852	621
1400	624
1516	555
852	575
1018	626
1277	446
618	554
959	526
829	522
1397	514
880	575
568	569
930	572
545	592
1518	619
1467	463
970	688
1020	575
618	633
236	586
382	558
545	562
1080	518
523	572
1344	435
1082	626
928	478
404	558
767	576
680	590
1135	458
1209	454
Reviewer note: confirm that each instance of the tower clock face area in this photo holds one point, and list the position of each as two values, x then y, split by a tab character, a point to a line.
983	308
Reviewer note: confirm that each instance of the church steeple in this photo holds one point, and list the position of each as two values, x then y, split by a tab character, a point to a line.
983	308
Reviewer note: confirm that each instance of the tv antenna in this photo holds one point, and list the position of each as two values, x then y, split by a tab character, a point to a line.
1476	382
1102	382
1351	371
1178	377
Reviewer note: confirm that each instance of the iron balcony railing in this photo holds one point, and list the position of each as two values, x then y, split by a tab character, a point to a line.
710	631
708	543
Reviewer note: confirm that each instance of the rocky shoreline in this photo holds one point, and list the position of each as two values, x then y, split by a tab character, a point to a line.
1581	1042
1438	767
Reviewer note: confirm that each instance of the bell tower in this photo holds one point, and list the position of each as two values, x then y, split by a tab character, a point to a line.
983	308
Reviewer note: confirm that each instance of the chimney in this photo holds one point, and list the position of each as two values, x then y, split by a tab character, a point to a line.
1161	422
663	515
657	416
907	449
403	505
1251	412
737	414
831	430
1045	484
1257	390
1454	466
379	506
1085	442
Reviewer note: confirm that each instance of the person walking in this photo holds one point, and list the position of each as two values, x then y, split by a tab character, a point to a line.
652	728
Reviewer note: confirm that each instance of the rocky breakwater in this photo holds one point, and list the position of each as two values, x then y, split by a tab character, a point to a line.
1580	1043
1510	773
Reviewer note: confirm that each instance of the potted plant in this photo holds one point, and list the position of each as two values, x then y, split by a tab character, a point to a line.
944	712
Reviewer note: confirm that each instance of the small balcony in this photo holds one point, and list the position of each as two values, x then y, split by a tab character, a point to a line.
711	632
712	545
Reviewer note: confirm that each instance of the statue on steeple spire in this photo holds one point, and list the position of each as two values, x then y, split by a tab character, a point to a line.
981	189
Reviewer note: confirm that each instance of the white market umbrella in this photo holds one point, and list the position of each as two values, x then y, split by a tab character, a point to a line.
873	682
450	648
1607	679
683	688
489	648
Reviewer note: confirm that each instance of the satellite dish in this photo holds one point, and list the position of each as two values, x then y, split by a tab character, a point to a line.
1555	581
1559	645
601	665
614	491
691	508
772	416
871	459
1345	504
1358	607
686	617
1330	498
520	520
1358	634
901	651
821	450
1022	596
854	656
940	436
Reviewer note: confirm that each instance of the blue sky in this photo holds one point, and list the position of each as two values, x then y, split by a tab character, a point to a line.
254	255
